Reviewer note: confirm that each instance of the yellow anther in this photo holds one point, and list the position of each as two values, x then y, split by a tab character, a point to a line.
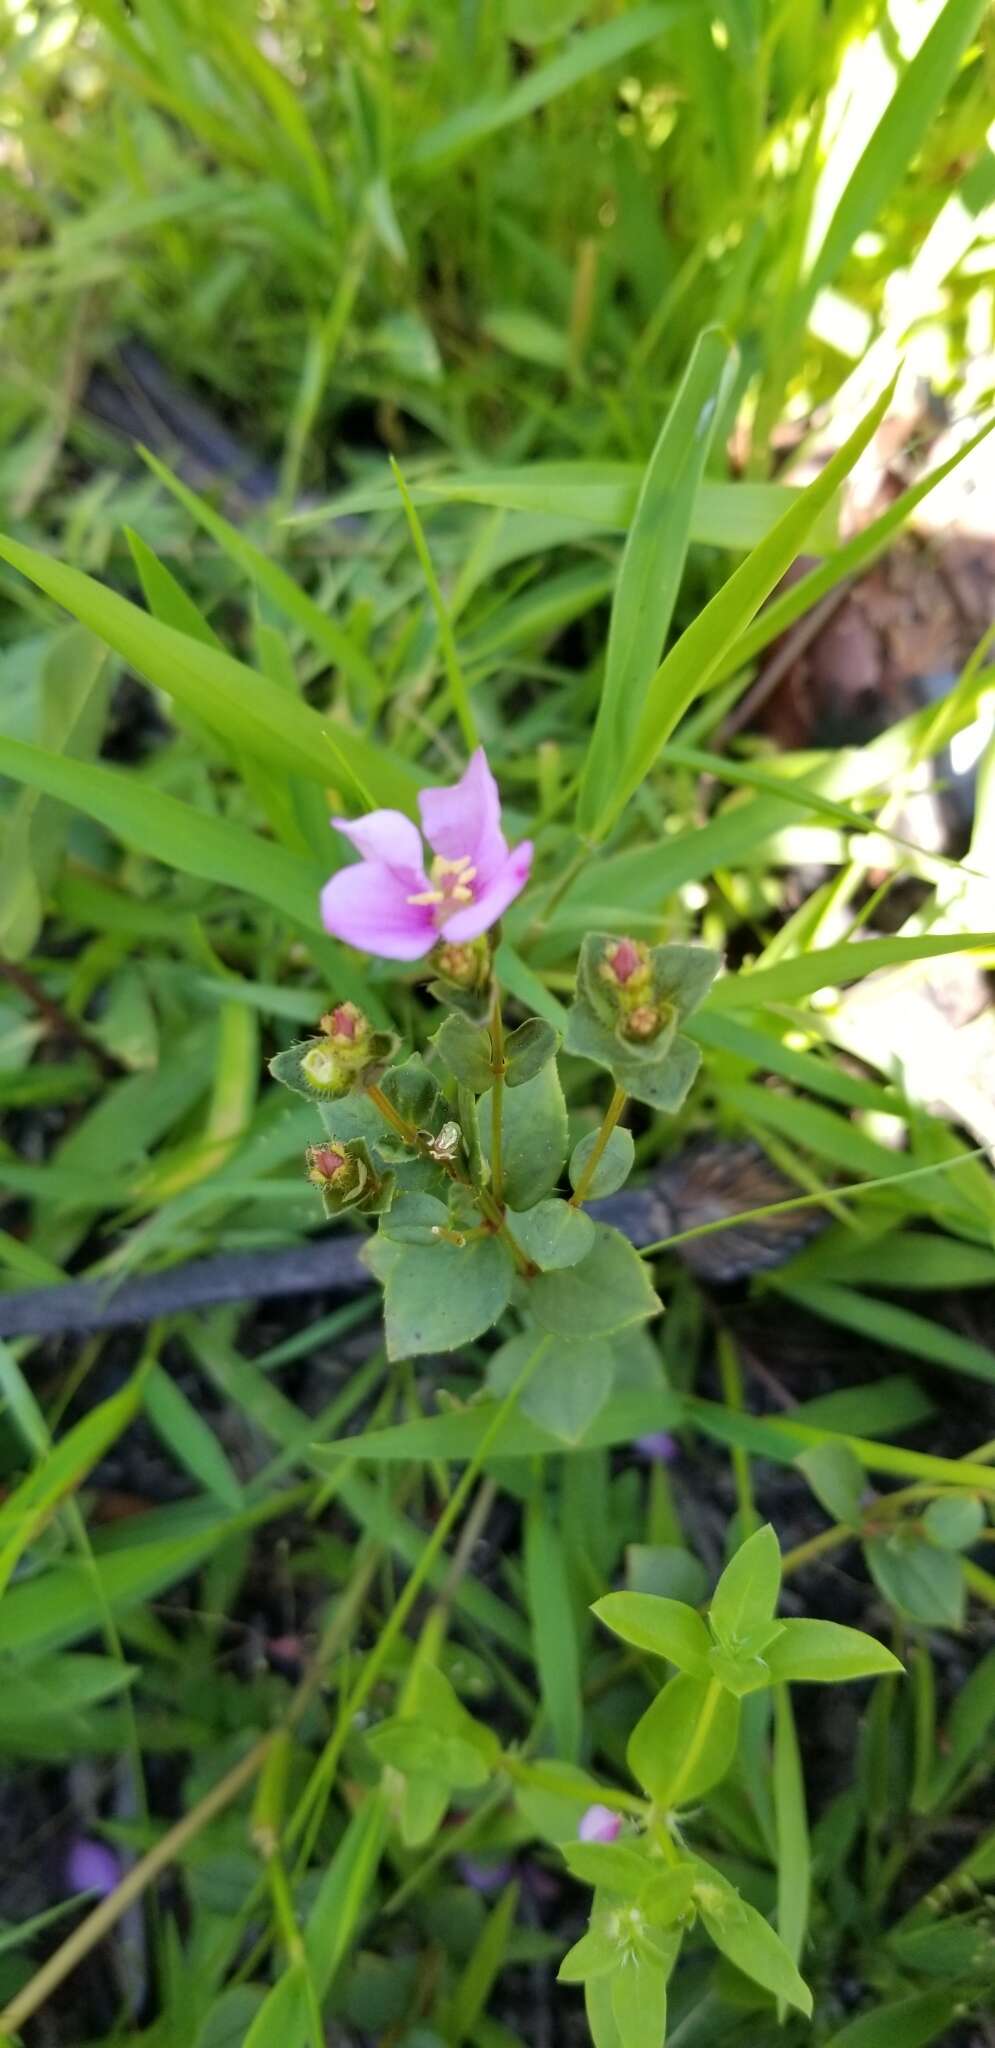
428	896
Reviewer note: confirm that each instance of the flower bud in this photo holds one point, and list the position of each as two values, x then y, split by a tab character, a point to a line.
626	961
346	1027
346	1177
646	1021
467	967
324	1165
599	1824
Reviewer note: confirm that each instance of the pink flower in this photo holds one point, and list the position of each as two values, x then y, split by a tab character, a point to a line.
599	1824
388	904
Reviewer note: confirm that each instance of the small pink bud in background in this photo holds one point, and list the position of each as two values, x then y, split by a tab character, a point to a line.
92	1867
599	1824
482	1876
658	1446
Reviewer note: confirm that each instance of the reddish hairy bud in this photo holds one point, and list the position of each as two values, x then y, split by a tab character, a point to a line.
324	1164
625	960
345	1024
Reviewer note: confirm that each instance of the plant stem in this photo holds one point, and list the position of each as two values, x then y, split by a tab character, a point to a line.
608	1122
293	1941
392	1116
484	1199
497	1091
732	1393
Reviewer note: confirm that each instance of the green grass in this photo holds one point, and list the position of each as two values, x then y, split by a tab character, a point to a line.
491	291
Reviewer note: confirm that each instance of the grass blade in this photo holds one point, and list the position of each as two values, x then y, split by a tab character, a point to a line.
691	664
653	563
171	831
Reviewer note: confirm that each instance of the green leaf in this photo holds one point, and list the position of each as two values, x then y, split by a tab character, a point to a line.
343	1892
747	1592
73	706
613	1167
749	1941
794	1862
440	1296
60	1471
837	1480
663	1084
193	842
243	707
476	1980
184	1431
533	1138
925	1583
415	1219
569	1389
282	590
685	1742
465	1049
609	1290
615	1866
457	1435
594	1955
652	563
667	1628
836	966
417	1749
528	1049
914	2022
965	1735
896	140
691	664
556	1650
954	1524
825	1653
639	2002
600	2012
553	1235
435	149
282	2021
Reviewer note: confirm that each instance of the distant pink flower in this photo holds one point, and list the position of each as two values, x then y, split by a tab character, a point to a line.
388	904
92	1867
599	1824
658	1446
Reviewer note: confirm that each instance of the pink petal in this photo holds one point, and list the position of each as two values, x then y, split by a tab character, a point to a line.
466	819
367	906
507	883
386	836
599	1824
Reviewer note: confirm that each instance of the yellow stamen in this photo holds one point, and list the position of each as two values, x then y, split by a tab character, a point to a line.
441	866
428	896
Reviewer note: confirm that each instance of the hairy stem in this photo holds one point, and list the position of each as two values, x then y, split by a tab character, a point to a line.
497	1092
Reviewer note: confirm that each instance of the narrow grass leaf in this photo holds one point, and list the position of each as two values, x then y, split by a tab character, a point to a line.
652	563
173	832
243	707
323	633
554	1632
835	966
692	662
585	55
